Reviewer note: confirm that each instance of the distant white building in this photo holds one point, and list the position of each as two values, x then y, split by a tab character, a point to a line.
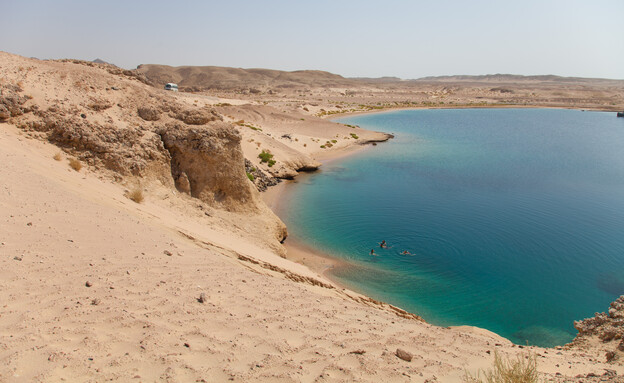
172	87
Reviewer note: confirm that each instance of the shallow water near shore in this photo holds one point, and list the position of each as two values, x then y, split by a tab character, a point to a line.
514	218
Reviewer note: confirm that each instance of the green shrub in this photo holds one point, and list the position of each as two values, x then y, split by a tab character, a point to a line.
250	176
354	136
265	156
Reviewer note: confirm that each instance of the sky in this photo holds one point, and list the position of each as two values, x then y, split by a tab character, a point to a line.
365	38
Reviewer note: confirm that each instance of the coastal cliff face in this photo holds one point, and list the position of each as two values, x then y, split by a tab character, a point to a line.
209	165
604	331
133	133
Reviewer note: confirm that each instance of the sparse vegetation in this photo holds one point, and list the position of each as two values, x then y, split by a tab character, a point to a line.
75	164
242	123
522	369
58	156
355	136
267	157
250	176
136	195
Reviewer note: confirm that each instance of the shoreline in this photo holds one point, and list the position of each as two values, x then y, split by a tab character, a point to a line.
277	198
323	263
387	110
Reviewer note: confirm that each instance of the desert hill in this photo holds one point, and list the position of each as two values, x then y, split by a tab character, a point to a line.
224	78
364	94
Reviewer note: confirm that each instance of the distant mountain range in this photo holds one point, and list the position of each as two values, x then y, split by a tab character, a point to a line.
212	77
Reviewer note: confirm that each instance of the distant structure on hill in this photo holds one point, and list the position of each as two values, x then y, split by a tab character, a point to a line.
172	87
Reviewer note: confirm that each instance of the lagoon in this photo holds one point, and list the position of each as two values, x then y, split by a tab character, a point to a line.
513	218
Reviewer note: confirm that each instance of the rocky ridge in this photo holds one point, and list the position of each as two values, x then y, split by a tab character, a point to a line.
604	330
109	119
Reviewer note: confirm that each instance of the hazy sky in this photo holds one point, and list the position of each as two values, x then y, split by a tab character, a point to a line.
407	39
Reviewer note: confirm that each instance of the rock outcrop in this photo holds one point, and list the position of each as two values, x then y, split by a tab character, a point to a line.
118	126
604	328
208	163
149	113
12	102
259	178
197	116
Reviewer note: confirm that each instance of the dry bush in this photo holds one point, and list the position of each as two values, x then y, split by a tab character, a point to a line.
136	195
58	156
523	369
75	164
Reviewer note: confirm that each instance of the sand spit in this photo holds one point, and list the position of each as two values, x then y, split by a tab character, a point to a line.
190	284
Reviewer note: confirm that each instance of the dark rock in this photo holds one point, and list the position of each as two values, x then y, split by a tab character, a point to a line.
202	298
402	354
261	180
88	284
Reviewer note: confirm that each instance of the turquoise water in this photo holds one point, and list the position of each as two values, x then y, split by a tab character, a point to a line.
514	217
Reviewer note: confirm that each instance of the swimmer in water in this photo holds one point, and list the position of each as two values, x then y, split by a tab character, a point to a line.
372	252
405	252
383	244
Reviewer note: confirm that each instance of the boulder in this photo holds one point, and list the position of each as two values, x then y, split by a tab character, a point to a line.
4	113
149	113
402	354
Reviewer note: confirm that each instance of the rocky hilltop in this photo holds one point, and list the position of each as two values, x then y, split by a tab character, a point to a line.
196	78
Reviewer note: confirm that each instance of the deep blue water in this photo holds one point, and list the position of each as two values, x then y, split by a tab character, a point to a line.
515	217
